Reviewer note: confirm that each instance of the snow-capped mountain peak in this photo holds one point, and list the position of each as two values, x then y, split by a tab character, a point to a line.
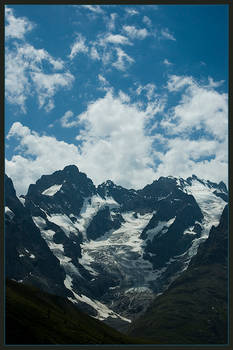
108	240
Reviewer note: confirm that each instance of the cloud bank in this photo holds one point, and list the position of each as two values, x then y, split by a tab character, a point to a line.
114	140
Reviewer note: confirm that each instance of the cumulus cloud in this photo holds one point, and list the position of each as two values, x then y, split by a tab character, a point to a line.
35	153
16	27
129	142
65	120
114	145
205	158
165	34
200	107
78	46
135	33
25	76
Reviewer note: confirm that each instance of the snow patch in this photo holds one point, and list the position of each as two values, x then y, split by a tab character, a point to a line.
64	222
90	208
39	222
22	200
102	310
161	226
9	213
51	190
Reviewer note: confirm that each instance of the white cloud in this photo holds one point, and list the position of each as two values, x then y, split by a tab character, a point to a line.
107	50
17	27
111	22
78	46
103	79
37	156
183	158
176	83
37	56
17	84
65	120
127	143
149	90
200	107
123	60
147	21
94	8
167	35
214	84
114	145
24	67
135	33
94	53
116	39
131	11
104	84
47	85
115	138
167	63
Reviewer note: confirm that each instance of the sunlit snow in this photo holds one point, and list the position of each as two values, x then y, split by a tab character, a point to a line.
51	190
22	200
161	226
103	311
211	206
9	213
90	208
122	249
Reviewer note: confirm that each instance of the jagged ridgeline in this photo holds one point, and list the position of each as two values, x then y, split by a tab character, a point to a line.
109	250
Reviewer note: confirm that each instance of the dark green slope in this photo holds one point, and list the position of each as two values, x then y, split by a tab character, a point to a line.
36	317
194	308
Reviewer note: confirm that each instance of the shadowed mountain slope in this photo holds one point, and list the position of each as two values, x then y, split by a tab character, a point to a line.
36	317
194	308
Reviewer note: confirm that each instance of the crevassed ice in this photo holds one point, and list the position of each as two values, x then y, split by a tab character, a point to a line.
122	249
51	190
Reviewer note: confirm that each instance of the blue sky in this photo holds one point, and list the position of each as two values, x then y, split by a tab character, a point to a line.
127	93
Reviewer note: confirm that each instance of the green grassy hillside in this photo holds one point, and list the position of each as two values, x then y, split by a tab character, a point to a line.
36	317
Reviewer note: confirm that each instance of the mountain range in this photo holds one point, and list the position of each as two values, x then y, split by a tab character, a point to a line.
115	252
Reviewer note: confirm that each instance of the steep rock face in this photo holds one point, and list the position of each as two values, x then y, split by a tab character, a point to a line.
118	248
63	191
27	254
193	310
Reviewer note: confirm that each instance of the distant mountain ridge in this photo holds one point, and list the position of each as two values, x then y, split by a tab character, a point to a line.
110	250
